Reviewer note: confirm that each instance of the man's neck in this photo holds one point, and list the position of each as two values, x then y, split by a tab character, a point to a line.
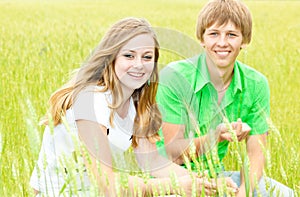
220	77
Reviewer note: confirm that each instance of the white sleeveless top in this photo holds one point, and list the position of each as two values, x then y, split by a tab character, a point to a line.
92	105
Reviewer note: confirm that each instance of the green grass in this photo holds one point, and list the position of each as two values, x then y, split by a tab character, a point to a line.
41	42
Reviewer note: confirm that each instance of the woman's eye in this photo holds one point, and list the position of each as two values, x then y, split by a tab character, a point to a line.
129	56
148	57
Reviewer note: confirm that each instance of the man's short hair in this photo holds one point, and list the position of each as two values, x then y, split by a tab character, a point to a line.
223	11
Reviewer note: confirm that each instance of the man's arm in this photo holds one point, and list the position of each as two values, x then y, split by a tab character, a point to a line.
160	167
257	161
175	143
256	141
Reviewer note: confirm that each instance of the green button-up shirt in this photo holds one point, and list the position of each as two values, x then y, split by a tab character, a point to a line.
187	96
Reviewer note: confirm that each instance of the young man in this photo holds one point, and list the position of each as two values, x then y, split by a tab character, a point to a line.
202	97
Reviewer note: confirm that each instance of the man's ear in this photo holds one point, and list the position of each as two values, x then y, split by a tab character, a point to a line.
243	46
202	44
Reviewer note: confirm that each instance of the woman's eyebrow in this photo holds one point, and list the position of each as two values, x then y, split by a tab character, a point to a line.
135	50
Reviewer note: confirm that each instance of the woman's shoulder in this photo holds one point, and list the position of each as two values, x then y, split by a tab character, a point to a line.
91	92
92	104
93	95
94	88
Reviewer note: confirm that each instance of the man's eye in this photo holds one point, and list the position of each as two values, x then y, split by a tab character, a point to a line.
213	34
232	35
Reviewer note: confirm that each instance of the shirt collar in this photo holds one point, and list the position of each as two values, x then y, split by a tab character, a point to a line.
203	77
237	77
202	74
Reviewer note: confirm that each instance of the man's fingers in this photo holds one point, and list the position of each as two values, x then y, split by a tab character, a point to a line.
244	132
243	136
239	125
226	136
241	129
246	127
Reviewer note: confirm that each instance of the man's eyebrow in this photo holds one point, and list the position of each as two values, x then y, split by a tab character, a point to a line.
213	29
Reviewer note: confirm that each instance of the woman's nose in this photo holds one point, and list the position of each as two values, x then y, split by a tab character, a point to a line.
138	63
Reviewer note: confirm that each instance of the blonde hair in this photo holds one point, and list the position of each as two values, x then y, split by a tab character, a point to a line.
223	11
99	70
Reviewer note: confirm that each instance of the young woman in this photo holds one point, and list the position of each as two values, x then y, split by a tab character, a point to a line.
106	108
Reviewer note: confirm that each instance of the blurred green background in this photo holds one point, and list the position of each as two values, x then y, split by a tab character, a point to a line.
41	42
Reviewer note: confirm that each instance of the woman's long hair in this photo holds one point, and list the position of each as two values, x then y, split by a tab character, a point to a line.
99	70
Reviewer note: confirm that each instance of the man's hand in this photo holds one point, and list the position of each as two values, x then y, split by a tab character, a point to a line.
240	129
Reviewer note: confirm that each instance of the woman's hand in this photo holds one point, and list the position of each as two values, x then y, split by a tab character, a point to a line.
228	185
205	185
210	187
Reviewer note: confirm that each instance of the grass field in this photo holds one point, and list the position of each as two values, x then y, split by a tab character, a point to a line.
41	42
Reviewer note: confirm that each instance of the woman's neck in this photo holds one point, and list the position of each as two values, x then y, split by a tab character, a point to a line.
122	110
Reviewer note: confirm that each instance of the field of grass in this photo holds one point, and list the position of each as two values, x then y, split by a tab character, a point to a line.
41	42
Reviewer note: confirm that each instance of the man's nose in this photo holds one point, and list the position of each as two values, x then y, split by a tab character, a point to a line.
222	41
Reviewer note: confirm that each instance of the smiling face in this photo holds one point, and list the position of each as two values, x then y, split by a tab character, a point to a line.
222	45
135	62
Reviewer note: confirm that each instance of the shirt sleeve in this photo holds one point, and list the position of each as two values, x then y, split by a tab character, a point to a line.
92	105
260	111
173	96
